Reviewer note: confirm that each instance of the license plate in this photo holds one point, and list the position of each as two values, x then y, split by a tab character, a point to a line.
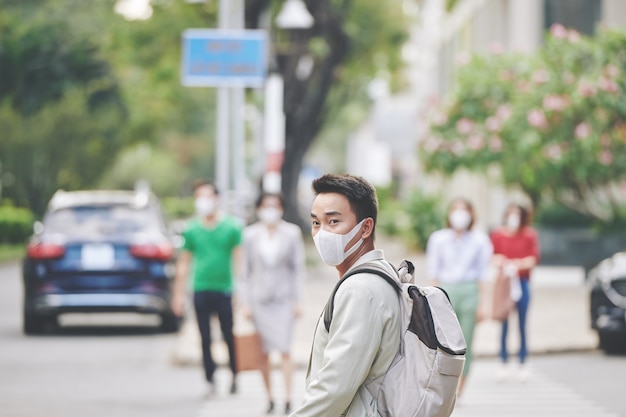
97	256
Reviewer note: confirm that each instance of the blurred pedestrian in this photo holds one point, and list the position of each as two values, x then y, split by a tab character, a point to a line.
211	249
364	335
516	253
270	289
458	261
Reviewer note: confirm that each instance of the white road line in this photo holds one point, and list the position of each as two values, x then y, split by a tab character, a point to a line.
538	396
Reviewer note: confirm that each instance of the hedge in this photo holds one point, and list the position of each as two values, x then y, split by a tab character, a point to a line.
16	224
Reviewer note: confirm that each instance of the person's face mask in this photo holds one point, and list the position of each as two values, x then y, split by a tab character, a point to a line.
331	245
460	219
205	206
513	221
270	215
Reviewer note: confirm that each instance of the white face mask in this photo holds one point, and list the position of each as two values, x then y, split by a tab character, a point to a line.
460	219
270	215
205	206
513	221
331	245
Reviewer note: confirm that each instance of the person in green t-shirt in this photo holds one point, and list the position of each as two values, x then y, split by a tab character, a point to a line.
211	250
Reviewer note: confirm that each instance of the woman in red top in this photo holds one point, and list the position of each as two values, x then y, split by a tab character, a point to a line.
516	249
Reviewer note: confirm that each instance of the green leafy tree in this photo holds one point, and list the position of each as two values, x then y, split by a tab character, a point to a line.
61	113
553	123
350	42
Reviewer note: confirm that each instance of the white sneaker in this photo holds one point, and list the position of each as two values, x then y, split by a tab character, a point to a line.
504	373
522	373
210	393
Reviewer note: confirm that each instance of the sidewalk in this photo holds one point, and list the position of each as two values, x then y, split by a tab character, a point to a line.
558	318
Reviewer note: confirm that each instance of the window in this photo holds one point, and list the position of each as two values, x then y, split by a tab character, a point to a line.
581	15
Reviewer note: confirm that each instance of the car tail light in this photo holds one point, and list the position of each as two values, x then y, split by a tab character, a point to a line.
45	250
162	252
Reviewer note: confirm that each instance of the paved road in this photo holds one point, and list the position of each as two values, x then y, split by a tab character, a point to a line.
124	371
542	395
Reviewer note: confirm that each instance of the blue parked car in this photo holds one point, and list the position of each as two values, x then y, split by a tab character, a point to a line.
99	251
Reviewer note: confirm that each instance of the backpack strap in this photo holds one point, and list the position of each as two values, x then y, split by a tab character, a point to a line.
367	268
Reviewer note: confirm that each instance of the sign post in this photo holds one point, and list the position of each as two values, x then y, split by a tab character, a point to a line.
218	58
230	60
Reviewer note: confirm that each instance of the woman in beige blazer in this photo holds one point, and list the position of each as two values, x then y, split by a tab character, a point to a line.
271	285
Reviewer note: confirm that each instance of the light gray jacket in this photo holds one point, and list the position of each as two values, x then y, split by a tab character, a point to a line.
277	280
363	339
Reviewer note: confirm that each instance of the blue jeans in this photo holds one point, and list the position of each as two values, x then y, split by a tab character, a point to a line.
207	303
522	310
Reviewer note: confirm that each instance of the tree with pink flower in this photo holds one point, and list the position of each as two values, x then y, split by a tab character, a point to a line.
553	122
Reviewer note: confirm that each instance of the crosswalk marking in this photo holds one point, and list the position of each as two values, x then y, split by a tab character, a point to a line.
538	396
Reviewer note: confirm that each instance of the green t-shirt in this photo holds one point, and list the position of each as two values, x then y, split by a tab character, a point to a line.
212	250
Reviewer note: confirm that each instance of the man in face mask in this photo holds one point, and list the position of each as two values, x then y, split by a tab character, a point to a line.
212	246
364	334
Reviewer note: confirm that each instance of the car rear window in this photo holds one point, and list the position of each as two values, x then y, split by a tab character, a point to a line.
103	219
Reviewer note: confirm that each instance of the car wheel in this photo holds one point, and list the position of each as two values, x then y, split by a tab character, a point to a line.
170	323
34	324
612	343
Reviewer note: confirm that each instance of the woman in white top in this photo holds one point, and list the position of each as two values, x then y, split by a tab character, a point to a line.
271	286
458	261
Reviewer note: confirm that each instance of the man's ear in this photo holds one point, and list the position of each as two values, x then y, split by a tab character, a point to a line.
368	228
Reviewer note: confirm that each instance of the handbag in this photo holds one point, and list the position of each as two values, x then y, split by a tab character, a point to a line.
248	345
503	305
248	352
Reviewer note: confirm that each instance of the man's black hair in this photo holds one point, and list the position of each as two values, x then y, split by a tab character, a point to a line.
360	193
201	182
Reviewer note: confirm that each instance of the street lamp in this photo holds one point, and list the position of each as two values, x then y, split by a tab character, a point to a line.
293	15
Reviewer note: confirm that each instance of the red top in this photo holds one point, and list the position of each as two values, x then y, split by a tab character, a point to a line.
516	246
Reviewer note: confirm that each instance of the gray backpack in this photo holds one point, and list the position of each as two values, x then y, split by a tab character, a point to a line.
423	377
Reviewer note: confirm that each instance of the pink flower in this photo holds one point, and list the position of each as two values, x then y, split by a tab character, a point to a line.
537	118
475	143
568	78
573	36
493	124
605	157
495	144
496	48
439	118
503	112
612	71
582	131
458	148
605	140
608	85
554	103
506	75
553	152
558	31
541	76
431	145
586	89
464	126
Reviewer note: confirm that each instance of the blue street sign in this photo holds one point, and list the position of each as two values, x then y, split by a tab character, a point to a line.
224	58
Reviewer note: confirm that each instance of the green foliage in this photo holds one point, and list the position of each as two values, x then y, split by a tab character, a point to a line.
426	214
16	224
148	163
61	115
553	122
178	207
556	215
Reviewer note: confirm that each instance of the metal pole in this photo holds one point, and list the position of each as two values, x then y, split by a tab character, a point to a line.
222	168
237	114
